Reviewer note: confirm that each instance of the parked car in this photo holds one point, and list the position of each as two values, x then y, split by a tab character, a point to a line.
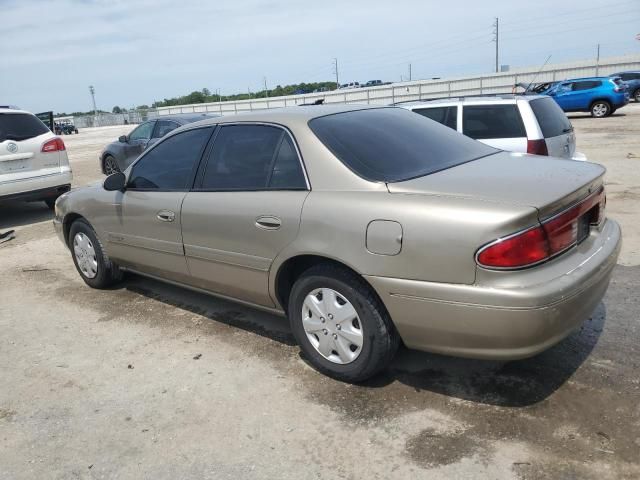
632	81
65	128
517	123
348	86
33	161
373	83
366	226
599	95
118	155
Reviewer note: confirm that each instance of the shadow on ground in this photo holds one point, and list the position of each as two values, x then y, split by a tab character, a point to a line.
19	214
513	384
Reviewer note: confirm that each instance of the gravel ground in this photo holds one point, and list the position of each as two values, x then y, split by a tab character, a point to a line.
153	381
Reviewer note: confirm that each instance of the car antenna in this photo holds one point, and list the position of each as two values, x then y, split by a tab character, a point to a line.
537	73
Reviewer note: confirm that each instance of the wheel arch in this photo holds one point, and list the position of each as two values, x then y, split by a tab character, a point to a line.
600	99
291	269
68	220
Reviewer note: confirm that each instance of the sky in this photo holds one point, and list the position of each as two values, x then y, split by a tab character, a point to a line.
138	51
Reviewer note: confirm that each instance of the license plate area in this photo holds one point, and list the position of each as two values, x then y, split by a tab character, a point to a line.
11	166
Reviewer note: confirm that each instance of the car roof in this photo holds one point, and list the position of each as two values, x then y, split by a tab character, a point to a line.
183	118
287	115
13	110
493	99
585	78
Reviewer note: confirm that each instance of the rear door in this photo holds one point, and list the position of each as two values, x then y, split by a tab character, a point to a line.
497	125
244	210
22	136
555	127
137	142
582	93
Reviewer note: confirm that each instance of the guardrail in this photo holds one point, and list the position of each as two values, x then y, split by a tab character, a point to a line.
423	89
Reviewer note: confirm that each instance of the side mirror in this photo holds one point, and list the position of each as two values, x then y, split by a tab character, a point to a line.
122	139
114	182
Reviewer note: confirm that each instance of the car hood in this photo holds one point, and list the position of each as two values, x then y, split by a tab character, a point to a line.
545	183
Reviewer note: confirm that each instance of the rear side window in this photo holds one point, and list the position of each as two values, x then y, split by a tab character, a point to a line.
20	126
253	157
492	121
586	85
447	116
169	166
394	144
553	121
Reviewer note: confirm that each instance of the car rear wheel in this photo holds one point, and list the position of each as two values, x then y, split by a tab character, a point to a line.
600	109
92	263
110	165
636	95
341	325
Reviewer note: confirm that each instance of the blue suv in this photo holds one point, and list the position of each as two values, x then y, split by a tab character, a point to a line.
599	95
632	81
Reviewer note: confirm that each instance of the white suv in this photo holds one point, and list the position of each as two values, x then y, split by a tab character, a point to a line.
516	123
33	161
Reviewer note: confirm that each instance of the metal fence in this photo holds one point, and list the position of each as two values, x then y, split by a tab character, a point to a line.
424	89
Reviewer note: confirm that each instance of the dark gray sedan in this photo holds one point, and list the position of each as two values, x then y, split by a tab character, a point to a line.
118	155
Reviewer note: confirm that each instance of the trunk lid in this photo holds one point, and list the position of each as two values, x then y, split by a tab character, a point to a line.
546	183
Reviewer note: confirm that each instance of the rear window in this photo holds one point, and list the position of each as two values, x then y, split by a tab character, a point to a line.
394	144
20	126
445	115
492	121
553	121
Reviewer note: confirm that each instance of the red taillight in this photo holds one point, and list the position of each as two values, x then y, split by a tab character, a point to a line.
53	145
537	147
550	238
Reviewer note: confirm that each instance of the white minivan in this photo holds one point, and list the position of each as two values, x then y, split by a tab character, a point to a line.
516	123
33	161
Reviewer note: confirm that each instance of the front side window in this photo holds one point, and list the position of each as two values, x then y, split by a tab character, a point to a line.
445	115
169	165
143	132
392	144
163	127
252	157
492	121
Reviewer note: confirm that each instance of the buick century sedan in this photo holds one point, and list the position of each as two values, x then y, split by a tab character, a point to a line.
366	227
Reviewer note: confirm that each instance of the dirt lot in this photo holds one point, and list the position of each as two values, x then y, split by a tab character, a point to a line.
152	381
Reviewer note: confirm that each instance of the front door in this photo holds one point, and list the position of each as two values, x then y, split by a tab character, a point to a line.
143	230
244	210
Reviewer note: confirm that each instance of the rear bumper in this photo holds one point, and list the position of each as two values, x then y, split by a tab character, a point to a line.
515	320
37	188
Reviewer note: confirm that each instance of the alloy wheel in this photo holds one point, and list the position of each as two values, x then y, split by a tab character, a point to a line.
600	110
85	255
110	166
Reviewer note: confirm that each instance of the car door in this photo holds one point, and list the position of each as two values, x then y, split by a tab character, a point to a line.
142	226
137	142
244	210
582	93
161	129
562	94
498	125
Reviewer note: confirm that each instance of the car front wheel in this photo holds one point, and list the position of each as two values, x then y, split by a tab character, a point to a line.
110	165
636	95
600	109
89	257
340	324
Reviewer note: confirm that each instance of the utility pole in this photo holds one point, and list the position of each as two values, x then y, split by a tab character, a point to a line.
335	70
598	61
266	91
409	72
496	38
93	99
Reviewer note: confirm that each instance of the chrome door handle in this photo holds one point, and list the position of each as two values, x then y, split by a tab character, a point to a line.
166	216
268	222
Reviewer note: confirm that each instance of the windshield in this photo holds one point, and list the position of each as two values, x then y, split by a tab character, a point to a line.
20	126
394	144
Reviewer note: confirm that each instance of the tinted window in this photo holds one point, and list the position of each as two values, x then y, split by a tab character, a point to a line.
552	119
20	126
492	121
163	127
168	166
242	158
586	85
287	172
445	115
394	144
143	132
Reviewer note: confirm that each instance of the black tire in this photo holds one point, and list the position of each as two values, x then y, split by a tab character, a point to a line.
110	165
108	273
380	341
51	203
600	109
636	95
